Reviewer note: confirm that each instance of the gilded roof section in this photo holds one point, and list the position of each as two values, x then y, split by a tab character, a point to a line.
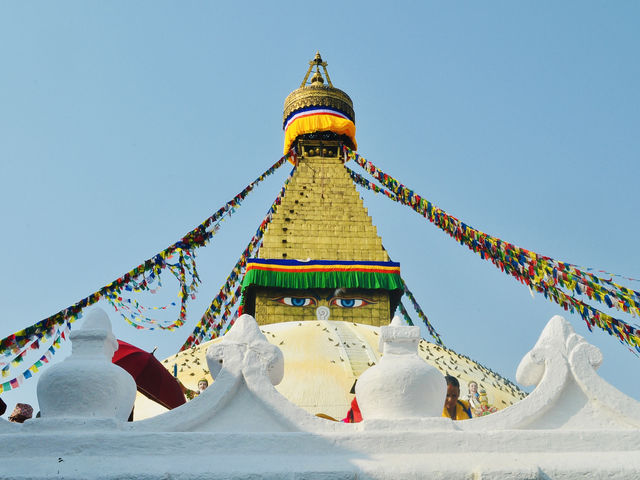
318	96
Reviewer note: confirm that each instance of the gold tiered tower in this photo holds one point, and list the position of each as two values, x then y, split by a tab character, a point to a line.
322	217
321	227
322	283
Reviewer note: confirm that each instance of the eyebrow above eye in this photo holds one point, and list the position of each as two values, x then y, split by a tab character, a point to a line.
350	302
296	301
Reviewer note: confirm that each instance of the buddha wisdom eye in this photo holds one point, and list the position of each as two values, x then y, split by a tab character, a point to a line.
349	302
296	301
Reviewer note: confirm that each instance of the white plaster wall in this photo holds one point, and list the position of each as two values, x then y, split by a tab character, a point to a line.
572	426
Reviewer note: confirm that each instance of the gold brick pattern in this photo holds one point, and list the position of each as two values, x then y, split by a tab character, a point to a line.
322	217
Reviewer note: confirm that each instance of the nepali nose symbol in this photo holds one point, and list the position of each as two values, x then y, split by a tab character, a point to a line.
323	313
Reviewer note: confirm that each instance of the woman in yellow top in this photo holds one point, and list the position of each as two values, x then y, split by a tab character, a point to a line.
454	408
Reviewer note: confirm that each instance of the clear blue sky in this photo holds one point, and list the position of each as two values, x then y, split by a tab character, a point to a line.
125	124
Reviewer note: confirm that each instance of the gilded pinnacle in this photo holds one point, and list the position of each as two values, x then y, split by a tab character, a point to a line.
317	77
318	92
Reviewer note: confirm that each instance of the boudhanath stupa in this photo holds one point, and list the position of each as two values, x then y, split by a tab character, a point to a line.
319	323
322	283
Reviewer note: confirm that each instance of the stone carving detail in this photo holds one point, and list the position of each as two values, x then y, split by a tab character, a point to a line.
569	393
562	360
323	313
401	385
244	349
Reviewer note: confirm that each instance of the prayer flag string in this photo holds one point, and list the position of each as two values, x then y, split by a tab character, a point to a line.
422	315
140	278
217	314
538	272
360	180
60	333
131	310
405	314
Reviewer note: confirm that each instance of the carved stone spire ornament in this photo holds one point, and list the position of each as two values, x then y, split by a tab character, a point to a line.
401	385
86	384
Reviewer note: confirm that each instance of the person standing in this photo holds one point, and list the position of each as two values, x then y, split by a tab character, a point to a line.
202	385
22	412
454	408
474	396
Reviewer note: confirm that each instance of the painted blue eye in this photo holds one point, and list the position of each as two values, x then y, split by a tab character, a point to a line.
349	302
296	301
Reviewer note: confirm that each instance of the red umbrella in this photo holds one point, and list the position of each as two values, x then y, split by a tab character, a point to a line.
152	379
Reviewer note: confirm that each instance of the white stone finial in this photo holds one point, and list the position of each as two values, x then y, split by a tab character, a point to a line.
87	384
401	385
398	337
97	319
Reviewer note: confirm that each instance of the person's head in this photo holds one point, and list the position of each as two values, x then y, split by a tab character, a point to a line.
22	412
453	392
473	387
203	384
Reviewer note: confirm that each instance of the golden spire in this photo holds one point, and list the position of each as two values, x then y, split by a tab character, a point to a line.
317	93
317	62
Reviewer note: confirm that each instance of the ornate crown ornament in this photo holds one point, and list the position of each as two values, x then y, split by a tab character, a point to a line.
317	94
